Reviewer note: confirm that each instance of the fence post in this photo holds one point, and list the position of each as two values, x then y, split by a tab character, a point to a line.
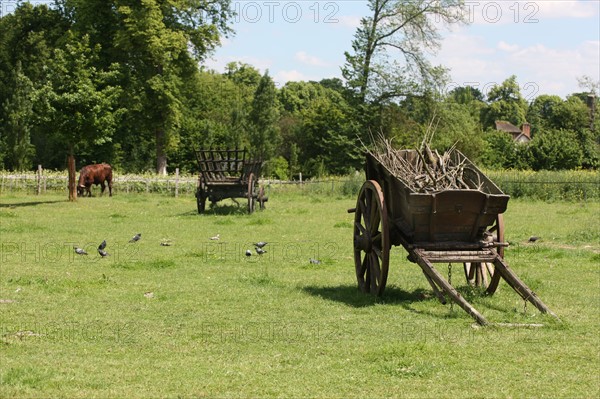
176	182
39	179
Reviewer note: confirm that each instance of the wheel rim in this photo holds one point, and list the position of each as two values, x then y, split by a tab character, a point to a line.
250	193
482	274
371	239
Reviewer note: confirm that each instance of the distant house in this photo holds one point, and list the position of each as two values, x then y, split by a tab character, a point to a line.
522	135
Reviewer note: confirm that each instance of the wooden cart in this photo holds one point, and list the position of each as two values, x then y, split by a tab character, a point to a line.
228	174
452	226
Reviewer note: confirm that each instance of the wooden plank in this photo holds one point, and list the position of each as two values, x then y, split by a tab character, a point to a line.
431	271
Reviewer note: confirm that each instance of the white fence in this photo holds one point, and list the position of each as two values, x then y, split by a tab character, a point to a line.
49	181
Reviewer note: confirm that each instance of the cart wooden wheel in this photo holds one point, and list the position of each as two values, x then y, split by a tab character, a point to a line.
250	193
261	198
371	239
481	274
200	196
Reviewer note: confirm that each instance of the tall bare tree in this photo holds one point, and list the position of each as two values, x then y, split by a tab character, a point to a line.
390	47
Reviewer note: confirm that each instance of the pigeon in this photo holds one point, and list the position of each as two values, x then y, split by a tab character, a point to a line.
79	251
136	237
248	252
103	245
315	261
165	244
533	238
103	253
215	238
260	251
260	244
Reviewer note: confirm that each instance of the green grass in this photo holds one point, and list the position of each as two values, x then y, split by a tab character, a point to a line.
200	319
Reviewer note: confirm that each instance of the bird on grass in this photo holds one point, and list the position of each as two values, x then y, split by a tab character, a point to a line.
102	245
315	261
79	251
216	238
103	253
260	251
260	244
248	252
533	239
136	237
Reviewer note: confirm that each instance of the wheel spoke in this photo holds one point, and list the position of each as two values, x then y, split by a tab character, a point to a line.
360	227
364	266
377	252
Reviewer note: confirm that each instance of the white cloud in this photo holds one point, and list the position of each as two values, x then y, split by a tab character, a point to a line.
540	68
567	9
529	12
307	59
348	21
502	45
282	77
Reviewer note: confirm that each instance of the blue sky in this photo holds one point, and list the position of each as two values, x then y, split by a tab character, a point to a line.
546	44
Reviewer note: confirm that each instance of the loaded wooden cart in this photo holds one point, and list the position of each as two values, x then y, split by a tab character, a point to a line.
441	209
228	174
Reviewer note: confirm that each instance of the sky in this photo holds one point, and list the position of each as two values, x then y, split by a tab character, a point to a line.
547	44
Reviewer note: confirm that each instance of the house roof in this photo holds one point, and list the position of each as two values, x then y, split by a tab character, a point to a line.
508	127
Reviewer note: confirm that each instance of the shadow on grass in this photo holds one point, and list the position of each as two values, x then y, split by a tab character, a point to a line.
221	210
32	203
350	295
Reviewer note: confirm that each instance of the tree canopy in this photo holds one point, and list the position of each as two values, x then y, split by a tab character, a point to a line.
123	81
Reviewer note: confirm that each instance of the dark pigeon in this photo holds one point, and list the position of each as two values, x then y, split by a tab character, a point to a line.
103	245
136	237
79	251
248	252
533	238
260	244
260	251
103	253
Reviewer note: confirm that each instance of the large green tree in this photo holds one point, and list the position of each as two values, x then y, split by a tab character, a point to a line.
263	117
79	101
505	104
18	122
158	44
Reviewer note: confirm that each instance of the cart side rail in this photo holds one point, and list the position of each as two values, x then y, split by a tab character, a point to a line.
221	165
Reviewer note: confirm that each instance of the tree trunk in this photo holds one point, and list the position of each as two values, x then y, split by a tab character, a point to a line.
72	174
161	157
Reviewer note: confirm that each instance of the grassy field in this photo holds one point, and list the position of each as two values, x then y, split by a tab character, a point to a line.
200	319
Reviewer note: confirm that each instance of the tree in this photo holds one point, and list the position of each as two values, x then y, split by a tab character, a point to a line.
264	133
505	104
18	122
27	39
543	112
556	150
158	45
405	28
79	101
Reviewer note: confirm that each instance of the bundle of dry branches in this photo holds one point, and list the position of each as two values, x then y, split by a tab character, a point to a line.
427	172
